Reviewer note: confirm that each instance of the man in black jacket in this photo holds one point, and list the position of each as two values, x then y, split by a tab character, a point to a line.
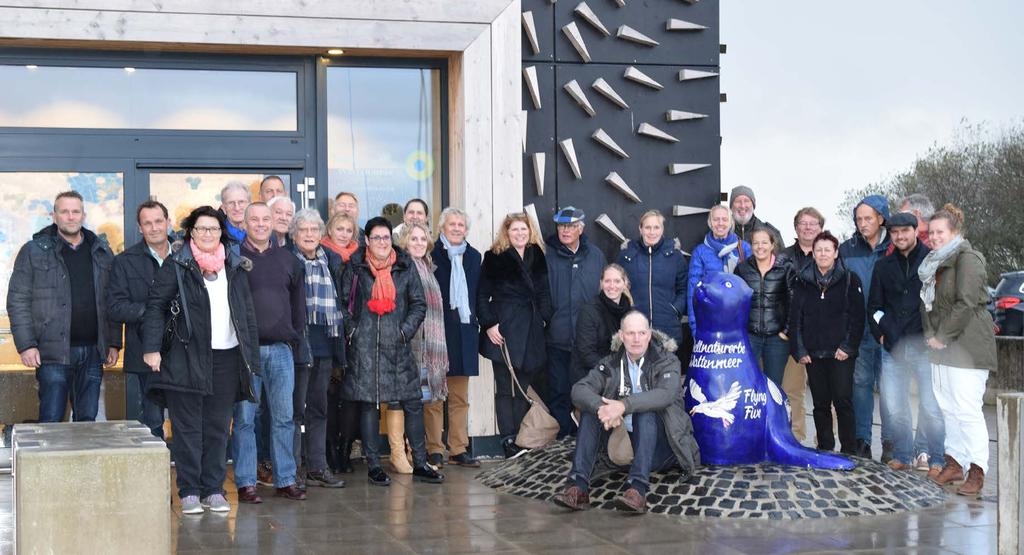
58	317
637	386
131	275
895	320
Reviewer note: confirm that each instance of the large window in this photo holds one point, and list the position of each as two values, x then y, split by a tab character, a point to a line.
384	135
182	192
144	98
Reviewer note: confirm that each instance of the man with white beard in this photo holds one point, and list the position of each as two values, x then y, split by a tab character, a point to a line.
742	203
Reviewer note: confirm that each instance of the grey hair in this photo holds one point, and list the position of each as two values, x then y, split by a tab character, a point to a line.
278	200
452	211
233	185
921	203
732	220
306	215
635	312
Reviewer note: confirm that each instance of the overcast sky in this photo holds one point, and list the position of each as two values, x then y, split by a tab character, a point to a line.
827	96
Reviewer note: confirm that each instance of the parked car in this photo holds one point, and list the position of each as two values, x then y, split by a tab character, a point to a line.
1009	297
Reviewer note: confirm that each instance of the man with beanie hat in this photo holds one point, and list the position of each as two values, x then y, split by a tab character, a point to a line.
860	253
742	203
574	274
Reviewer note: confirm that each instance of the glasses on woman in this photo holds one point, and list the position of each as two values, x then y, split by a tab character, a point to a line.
378	238
202	230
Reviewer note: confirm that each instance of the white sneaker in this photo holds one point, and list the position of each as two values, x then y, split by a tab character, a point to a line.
921	462
190	505
217	503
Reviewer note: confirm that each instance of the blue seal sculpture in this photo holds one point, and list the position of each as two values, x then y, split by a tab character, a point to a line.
739	415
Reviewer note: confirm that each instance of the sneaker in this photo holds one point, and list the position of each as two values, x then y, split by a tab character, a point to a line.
325	479
436	460
265	474
190	505
512	450
921	462
378	477
216	503
464	459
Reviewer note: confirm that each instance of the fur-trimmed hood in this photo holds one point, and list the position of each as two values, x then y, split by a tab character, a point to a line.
659	340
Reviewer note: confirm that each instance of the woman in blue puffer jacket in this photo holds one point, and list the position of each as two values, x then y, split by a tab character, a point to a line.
657	271
721	251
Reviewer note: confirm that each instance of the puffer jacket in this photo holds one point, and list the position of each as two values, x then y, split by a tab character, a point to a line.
189	368
662	393
39	297
380	361
959	317
514	293
574	278
705	261
823	320
657	281
769	305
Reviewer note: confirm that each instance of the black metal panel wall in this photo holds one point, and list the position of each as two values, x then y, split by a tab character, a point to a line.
645	152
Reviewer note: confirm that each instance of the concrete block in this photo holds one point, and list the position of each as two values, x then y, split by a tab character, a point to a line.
1010	431
91	487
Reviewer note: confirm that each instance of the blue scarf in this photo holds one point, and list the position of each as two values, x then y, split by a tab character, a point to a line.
725	249
321	296
458	289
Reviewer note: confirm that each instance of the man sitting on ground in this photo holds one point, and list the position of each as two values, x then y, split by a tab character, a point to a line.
637	386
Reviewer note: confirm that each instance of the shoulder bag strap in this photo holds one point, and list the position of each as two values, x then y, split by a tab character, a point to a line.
184	303
515	380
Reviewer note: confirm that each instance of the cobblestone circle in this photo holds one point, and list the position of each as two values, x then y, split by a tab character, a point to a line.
761	491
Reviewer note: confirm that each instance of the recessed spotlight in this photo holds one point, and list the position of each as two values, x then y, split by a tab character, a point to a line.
31	66
335	52
130	69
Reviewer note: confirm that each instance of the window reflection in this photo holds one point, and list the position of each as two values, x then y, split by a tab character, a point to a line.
183	192
139	98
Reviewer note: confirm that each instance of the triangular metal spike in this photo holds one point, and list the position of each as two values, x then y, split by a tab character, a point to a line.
605	222
621	3
572	32
606	90
628	33
523	119
530	74
690	74
680	25
690	2
576	92
588	15
635	75
606	141
539	158
652	131
570	156
679	115
676	169
681	210
615	180
531	31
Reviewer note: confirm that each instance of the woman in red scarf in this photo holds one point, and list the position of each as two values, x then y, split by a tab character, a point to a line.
386	310
341	236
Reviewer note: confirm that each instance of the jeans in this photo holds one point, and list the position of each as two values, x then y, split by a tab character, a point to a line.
866	376
909	359
651	450
771	352
960	393
277	382
80	380
201	428
310	410
150	413
559	386
262	433
831	383
510	406
369	425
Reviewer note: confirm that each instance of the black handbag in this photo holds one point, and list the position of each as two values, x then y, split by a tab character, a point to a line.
179	311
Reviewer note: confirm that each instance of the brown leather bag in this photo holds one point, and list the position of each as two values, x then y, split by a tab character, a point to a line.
538	428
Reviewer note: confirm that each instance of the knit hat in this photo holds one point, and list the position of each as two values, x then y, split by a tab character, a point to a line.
902	219
569	215
742	191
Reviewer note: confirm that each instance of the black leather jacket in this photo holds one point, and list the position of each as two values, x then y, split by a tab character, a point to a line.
769	305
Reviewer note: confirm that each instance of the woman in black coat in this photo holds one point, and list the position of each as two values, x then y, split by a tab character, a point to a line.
514	306
199	333
387	309
599	320
767	275
826	324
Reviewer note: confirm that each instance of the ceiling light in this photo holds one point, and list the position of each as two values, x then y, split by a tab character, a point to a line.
335	52
130	69
31	66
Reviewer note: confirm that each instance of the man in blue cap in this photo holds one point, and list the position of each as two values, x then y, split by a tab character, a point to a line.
860	253
574	273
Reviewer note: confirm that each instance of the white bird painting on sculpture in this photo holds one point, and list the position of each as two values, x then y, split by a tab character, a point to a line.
722	408
779	399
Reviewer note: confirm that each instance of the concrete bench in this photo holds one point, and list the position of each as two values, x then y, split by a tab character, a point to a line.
91	487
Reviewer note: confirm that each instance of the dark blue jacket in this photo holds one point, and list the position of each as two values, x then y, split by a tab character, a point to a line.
858	255
657	282
703	261
131	277
462	339
574	278
896	292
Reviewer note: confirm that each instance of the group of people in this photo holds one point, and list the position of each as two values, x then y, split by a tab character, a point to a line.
266	331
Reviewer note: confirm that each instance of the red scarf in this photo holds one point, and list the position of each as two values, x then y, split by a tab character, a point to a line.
344	252
382	295
209	262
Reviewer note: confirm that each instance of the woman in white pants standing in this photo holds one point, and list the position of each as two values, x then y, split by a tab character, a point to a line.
959	332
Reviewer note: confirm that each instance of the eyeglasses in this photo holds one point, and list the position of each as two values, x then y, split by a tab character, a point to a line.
205	230
378	238
809	224
308	230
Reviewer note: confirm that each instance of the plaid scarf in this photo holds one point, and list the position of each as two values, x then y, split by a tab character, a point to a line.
428	345
321	296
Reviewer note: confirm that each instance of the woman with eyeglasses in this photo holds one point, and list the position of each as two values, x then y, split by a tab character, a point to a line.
200	336
387	309
514	307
